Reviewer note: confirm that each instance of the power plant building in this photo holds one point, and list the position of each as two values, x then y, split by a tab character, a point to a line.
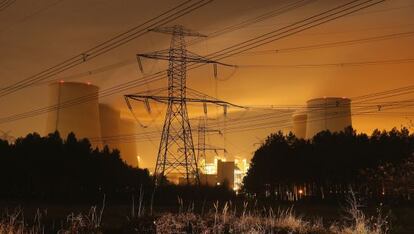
80	117
88	119
113	127
331	113
299	124
110	119
225	173
128	149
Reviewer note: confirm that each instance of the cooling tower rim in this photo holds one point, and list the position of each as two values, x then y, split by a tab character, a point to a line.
316	100
74	83
300	113
303	115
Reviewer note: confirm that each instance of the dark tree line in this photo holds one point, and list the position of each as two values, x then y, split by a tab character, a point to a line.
50	168
286	167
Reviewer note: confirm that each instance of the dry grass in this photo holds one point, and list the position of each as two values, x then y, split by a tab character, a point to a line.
224	221
14	223
221	219
84	223
359	223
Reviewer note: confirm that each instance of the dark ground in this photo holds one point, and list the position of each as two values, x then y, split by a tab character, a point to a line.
115	216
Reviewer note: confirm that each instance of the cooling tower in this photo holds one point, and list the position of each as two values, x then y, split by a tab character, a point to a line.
113	129
128	148
82	118
332	113
299	124
110	119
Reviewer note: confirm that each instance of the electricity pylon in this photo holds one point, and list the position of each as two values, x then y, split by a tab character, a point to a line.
176	152
202	147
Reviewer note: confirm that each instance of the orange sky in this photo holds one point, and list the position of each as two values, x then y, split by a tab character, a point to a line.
31	42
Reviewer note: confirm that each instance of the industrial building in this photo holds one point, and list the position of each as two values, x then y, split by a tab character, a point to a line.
113	125
110	123
128	149
89	119
225	173
222	172
82	118
327	113
299	123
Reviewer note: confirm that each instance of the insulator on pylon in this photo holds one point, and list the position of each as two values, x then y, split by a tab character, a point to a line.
147	105
128	103
225	110
215	70
139	63
205	108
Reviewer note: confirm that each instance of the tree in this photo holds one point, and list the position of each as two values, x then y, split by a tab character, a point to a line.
327	164
49	167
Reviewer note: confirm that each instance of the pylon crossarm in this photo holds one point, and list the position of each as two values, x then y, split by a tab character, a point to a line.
209	148
190	57
165	99
207	60
177	29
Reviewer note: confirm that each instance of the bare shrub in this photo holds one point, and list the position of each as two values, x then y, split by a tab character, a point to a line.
358	222
14	223
221	221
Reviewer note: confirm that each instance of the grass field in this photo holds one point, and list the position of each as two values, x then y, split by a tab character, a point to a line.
213	217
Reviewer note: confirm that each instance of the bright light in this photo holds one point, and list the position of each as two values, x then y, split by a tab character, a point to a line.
210	168
300	191
242	166
138	160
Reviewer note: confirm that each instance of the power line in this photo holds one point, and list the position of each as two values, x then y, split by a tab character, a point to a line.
5	4
158	75
275	51
364	106
344	64
92	72
302	25
108	45
331	44
35	13
217	33
262	17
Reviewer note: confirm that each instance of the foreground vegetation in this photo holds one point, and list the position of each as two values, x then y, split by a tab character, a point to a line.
378	166
221	218
51	170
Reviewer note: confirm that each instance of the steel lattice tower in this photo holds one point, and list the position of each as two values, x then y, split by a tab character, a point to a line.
176	153
176	150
